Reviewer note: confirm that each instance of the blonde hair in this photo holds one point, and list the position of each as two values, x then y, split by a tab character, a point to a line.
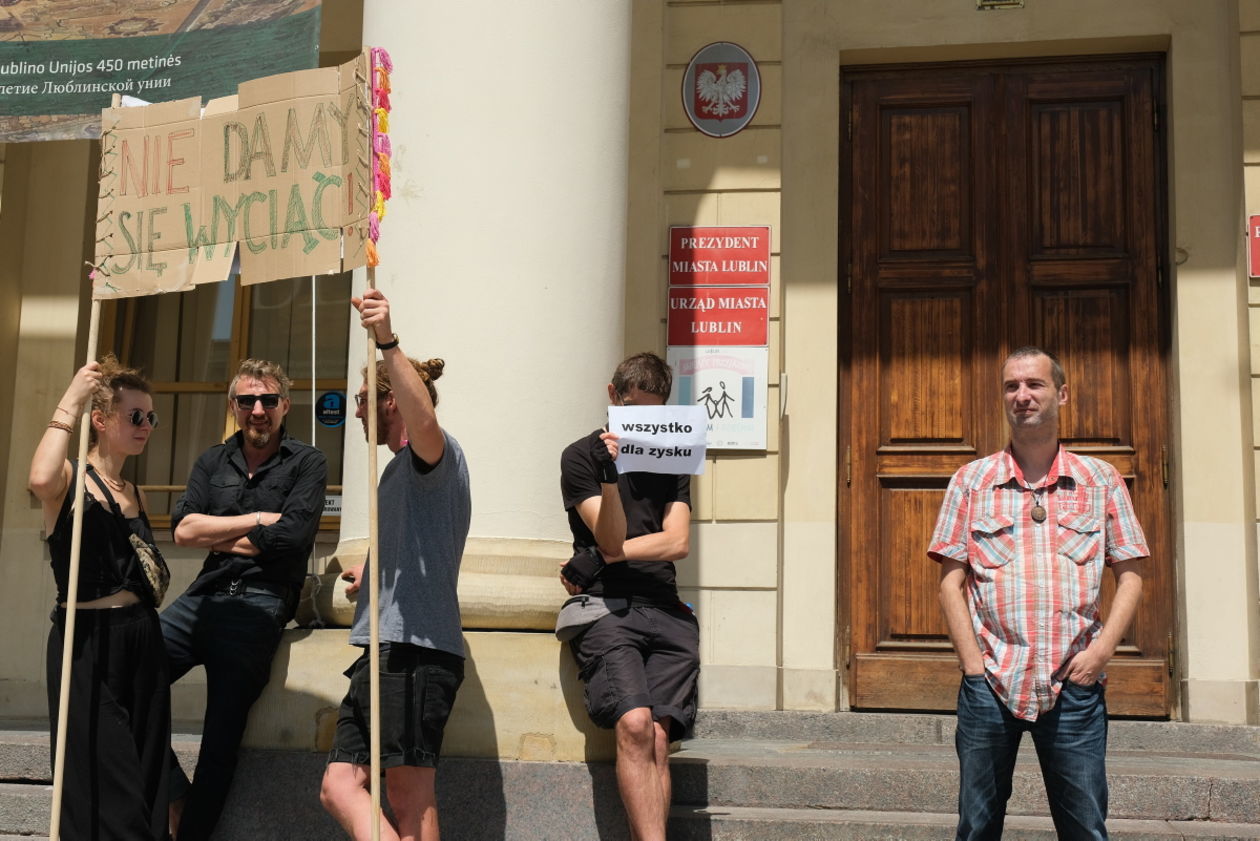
114	378
261	369
429	370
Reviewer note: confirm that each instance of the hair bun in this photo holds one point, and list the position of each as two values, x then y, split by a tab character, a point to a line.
434	367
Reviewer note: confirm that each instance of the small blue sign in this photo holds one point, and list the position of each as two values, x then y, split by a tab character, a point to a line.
331	409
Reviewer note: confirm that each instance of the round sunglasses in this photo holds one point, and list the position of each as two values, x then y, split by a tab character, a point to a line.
139	416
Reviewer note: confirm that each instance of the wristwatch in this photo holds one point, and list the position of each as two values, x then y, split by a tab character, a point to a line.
392	343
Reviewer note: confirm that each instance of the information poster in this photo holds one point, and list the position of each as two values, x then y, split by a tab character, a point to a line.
730	385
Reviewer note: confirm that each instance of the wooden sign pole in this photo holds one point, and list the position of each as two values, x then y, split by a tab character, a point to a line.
72	595
374	587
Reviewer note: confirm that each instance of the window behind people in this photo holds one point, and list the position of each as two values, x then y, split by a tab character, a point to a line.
190	343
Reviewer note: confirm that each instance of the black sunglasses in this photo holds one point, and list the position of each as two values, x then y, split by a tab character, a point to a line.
138	417
246	401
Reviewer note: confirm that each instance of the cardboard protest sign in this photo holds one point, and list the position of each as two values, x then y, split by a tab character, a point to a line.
659	439
280	172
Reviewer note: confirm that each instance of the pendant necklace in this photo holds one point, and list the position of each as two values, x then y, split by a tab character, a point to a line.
1038	510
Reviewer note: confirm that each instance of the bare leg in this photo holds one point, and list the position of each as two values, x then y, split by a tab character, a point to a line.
638	777
345	795
414	801
662	763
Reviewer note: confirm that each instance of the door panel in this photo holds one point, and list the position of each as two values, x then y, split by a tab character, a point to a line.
987	207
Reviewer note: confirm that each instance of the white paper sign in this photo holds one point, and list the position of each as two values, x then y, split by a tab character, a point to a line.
659	439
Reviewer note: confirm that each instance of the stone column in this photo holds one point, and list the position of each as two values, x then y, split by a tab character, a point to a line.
503	248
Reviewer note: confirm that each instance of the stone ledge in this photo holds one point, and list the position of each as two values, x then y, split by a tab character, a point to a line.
521	698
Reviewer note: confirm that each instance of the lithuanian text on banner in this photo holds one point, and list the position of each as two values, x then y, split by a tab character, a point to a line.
281	172
659	439
61	60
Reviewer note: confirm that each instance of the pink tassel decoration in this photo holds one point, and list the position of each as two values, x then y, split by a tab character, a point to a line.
380	57
382	187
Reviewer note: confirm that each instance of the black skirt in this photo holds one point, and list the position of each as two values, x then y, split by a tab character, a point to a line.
119	724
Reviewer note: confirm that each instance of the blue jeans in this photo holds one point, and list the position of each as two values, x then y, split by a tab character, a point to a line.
235	638
1071	741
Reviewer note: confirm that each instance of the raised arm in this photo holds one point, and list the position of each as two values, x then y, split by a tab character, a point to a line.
50	475
424	433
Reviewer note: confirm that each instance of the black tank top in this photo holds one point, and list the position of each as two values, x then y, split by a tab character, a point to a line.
107	563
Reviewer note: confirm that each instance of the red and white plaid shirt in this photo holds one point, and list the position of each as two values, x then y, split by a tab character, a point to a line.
1033	586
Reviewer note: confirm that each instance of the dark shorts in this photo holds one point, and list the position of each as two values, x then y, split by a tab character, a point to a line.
641	657
418	687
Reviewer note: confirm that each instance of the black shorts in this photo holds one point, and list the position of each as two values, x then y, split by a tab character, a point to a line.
418	687
641	657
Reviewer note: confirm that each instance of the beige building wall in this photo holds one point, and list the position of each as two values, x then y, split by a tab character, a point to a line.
43	236
682	177
1249	63
1213	487
763	568
764	557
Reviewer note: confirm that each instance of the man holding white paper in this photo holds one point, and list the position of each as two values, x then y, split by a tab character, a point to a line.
641	660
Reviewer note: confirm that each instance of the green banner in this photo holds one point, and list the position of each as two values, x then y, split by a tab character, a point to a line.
54	87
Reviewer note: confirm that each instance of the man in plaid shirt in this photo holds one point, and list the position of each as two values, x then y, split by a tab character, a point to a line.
1022	539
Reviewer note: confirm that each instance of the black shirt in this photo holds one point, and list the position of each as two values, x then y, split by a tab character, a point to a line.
107	563
292	482
644	497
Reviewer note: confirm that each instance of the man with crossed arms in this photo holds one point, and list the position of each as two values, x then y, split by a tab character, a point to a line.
254	502
1022	538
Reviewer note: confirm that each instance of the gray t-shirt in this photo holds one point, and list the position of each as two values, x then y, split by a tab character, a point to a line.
423	525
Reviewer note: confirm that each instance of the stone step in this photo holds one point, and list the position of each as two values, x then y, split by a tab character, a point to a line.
25	752
748	775
731	823
275	797
796	774
917	728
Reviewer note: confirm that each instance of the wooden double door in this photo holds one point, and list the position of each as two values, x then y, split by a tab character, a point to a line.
985	207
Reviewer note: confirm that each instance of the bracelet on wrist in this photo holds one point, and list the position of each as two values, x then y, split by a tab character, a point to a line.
64	427
390	345
257	518
67	411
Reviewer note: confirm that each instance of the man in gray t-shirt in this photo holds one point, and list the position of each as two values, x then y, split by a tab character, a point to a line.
424	510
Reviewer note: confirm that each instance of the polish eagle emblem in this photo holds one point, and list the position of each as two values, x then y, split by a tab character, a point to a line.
720	90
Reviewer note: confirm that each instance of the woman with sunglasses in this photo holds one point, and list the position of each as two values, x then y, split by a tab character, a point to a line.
119	718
